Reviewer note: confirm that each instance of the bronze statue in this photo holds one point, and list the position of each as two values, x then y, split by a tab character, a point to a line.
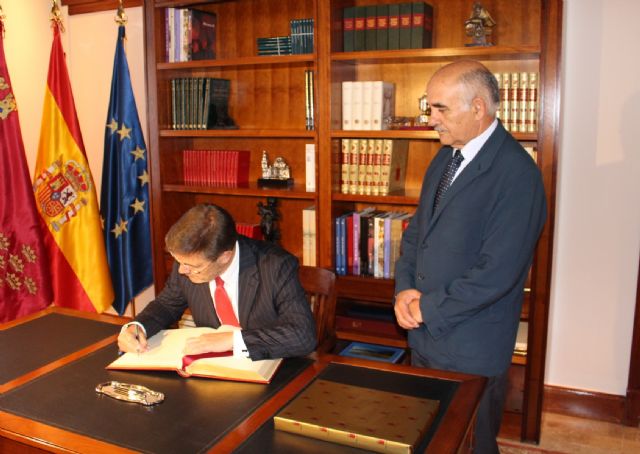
479	26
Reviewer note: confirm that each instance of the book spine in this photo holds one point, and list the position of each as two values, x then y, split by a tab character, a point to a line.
394	27
362	166
310	167
353	165
421	25
347	105
382	27
367	105
344	166
523	102
532	112
405	25
356	105
348	15
359	28
370	34
514	99
505	94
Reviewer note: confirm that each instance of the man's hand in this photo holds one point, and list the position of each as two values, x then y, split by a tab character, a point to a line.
211	342
407	309
132	340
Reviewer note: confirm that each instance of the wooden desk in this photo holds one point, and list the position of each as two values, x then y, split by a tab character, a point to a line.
32	419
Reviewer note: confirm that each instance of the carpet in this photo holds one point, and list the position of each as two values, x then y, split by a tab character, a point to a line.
512	447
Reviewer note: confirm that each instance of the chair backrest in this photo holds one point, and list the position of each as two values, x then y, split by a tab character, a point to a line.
320	287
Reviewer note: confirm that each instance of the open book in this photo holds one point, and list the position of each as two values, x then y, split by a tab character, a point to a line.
166	353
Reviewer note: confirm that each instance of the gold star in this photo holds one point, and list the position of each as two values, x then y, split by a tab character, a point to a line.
144	178
120	228
124	132
138	206
113	126
138	153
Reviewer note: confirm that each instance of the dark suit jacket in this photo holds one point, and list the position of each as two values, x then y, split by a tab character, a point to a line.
274	314
471	257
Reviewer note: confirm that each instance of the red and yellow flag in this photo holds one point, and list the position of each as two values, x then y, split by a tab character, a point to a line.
24	273
66	198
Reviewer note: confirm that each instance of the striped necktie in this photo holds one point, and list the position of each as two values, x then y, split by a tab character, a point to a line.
447	177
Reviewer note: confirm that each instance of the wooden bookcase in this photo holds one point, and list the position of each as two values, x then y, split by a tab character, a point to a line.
267	102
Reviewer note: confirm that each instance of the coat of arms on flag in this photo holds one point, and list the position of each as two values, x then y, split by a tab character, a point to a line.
60	191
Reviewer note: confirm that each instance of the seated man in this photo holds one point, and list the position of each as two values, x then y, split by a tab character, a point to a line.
227	279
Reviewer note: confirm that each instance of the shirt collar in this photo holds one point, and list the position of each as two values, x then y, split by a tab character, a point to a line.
233	270
471	149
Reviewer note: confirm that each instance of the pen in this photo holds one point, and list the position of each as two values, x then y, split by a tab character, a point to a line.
138	338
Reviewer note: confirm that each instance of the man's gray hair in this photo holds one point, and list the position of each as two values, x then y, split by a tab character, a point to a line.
480	82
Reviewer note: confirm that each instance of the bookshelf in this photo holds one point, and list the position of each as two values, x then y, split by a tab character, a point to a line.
267	102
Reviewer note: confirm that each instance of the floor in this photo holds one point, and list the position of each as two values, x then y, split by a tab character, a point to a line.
569	435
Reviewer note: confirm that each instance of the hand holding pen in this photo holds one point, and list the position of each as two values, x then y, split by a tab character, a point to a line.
132	339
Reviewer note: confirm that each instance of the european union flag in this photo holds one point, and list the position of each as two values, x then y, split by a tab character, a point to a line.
124	202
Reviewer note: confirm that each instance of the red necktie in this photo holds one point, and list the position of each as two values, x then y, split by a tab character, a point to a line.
223	306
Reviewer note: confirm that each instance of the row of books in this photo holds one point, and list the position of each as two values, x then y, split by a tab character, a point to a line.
300	41
200	103
190	34
387	26
309	257
368	242
367	104
226	168
518	101
373	166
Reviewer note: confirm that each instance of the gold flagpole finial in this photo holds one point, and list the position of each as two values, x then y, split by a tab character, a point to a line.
121	17
56	15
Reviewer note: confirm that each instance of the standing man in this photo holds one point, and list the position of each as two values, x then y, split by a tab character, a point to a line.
468	248
228	279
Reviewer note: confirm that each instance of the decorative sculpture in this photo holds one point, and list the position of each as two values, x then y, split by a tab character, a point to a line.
268	217
479	26
278	174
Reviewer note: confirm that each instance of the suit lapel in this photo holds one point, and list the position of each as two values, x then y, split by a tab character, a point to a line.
480	164
247	281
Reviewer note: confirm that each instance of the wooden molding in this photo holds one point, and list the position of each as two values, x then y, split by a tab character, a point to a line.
92	6
584	404
632	404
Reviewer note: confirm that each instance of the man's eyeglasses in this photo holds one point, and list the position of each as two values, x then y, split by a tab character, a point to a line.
188	269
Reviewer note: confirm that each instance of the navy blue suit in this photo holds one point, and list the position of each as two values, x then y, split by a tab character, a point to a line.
471	257
274	313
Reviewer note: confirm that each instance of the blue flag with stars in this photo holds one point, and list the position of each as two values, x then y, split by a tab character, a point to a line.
124	201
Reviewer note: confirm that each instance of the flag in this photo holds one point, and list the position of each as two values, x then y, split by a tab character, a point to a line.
124	202
66	198
24	272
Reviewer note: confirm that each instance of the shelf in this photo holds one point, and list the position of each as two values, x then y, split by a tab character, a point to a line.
365	288
411	197
297	191
413	134
241	133
441	54
253	61
371	338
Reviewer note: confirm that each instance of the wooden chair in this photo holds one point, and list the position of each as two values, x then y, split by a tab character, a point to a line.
319	286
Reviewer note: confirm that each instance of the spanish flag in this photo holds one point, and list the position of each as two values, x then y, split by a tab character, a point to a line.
66	198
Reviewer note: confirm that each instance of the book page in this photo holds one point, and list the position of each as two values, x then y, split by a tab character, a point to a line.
165	350
235	368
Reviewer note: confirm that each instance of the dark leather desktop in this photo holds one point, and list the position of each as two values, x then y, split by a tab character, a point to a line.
59	410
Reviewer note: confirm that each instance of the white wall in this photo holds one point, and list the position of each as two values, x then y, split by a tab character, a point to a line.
598	212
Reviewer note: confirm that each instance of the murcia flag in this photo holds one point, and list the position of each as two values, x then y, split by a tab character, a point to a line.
24	272
66	198
124	202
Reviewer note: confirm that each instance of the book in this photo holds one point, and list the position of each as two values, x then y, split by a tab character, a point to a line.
348	29
370	24
347	106
393	168
421	25
373	352
309	236
382	27
383	104
165	353
405	26
310	167
394	27
359	27
356	416
202	45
